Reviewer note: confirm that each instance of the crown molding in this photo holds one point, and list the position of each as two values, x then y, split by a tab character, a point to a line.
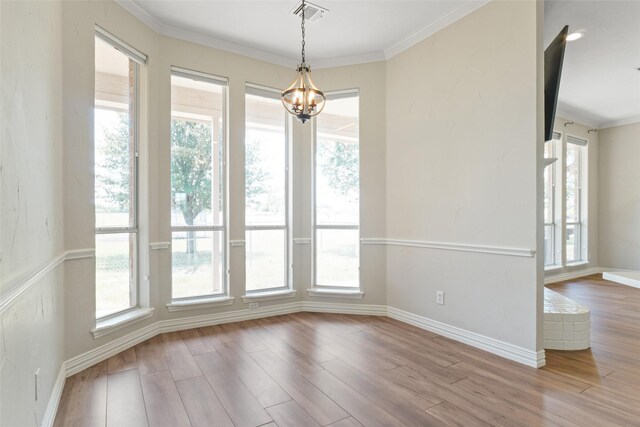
343	61
459	12
227	46
628	121
576	117
131	7
285	61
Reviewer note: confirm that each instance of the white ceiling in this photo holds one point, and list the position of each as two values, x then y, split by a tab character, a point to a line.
355	31
600	86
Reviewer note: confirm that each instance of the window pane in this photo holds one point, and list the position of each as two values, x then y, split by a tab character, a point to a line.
549	245
548	149
573	242
265	162
337	257
114	142
265	259
197	263
115	272
337	168
573	183
548	195
197	196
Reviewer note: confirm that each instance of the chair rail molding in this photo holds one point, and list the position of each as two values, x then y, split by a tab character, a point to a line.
20	284
449	246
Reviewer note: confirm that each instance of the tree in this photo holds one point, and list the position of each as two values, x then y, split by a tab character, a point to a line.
340	165
190	171
255	175
114	169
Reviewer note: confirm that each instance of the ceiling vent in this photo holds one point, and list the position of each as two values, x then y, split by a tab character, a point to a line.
312	12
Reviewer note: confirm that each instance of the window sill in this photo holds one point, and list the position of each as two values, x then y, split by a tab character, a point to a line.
339	293
268	295
552	268
577	264
104	327
194	304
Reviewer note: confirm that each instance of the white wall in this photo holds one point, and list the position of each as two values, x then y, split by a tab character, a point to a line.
31	335
163	52
463	144
619	197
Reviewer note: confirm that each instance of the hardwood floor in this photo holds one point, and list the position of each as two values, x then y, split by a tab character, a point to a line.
310	369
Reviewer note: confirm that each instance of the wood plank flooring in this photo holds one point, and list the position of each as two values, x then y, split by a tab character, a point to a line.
311	369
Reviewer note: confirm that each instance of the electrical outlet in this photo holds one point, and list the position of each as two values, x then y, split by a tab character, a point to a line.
254	305
37	384
440	297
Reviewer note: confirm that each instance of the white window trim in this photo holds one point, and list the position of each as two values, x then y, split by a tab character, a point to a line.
140	258
582	201
223	297
326	289
114	323
560	205
268	295
335	293
198	303
552	164
264	294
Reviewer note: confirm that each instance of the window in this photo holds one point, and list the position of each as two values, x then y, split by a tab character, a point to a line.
198	233
116	172
336	242
267	245
575	153
550	208
565	206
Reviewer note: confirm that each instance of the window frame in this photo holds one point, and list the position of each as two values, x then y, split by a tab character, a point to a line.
138	59
223	82
556	205
559	169
348	93
272	93
581	240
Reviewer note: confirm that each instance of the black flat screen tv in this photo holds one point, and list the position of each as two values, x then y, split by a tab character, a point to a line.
553	59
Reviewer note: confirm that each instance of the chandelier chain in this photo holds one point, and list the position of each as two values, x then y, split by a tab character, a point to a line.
302	26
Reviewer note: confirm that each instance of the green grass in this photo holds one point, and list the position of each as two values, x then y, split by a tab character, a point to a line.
193	275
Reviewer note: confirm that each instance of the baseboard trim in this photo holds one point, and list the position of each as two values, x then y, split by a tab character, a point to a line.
617	278
492	345
173	325
509	351
575	274
343	308
54	400
96	355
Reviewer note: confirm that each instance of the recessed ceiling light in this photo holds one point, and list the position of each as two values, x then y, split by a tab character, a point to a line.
574	36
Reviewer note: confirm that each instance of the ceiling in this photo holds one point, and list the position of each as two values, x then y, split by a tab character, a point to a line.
356	31
600	85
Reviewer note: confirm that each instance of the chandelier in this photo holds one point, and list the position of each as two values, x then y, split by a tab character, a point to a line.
303	99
